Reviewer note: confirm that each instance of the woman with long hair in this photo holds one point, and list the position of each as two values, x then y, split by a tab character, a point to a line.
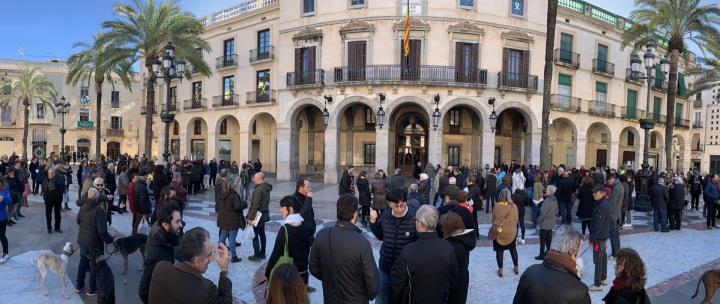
230	217
505	221
586	204
453	230
630	277
286	287
379	191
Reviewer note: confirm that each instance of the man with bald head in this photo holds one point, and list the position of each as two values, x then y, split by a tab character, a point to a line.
260	203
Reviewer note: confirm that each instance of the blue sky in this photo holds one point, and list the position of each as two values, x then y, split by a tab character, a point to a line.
59	23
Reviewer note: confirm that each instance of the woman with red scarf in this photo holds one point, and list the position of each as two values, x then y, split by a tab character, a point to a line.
629	283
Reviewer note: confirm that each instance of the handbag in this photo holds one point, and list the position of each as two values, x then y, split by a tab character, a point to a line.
495	229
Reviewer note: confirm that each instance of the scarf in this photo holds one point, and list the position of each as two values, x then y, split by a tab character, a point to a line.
294	219
618	284
564	260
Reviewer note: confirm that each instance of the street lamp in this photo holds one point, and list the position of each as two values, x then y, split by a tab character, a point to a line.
62	107
325	112
648	122
380	111
493	115
170	70
436	112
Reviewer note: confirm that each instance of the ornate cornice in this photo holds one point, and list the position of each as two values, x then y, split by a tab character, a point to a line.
466	28
416	24
357	26
517	36
308	33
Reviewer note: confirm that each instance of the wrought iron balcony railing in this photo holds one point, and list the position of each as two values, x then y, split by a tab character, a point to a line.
115	132
682	123
517	81
226	61
632	114
306	78
635	77
259	97
228	100
698	125
603	67
565	103
567	58
420	74
603	109
195	103
262	54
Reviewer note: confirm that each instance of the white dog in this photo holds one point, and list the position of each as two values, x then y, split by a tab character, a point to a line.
56	264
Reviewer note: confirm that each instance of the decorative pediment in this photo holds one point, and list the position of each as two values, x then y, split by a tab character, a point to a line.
308	34
416	24
357	26
517	36
466	28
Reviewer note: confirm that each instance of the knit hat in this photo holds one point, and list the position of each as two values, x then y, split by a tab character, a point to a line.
452	192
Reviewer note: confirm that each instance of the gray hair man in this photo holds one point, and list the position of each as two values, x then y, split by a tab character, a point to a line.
660	198
557	279
546	220
431	281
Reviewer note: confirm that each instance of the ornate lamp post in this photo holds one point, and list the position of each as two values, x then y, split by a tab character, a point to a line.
381	111
493	115
170	70
62	107
436	112
325	112
648	122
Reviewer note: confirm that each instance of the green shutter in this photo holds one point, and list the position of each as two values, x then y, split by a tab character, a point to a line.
601	87
602	53
564	79
678	111
631	104
656	108
682	89
658	76
566	42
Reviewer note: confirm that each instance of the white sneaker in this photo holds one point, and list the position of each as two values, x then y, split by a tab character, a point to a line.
522	241
4	258
627	225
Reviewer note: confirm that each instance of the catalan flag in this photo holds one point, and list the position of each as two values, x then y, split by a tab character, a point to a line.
406	39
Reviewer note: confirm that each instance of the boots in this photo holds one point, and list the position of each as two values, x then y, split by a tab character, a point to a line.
516	270
500	272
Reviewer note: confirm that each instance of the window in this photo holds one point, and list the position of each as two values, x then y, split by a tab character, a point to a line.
84	91
116	123
6	115
516	63
262	83
467	4
176	128
115	99
356	60
564	91
416	7
369	154
653	141
196	92
454	155
228	52
631	139
228	89
566	47
631	104
412	60
357	3
657	106
602	57
466	62
254	128
197	127
84	114
517	8
455	121
601	97
173	98
308	7
305	65
223	127
263	44
369	119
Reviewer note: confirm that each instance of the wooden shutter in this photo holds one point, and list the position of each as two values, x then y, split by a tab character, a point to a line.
475	56
459	57
506	60
415	52
311	55
356	60
298	61
525	63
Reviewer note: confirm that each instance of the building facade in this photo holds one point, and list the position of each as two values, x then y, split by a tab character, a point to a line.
120	112
299	84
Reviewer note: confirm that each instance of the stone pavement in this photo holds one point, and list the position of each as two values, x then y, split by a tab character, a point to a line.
19	281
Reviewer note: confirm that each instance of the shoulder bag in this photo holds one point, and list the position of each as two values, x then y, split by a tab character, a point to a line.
495	229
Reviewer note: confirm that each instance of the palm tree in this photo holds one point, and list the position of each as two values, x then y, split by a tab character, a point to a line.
708	74
30	87
97	63
547	84
145	28
678	21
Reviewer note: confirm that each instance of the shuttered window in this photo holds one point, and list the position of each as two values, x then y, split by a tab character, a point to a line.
564	90
466	61
681	87
631	104
657	106
305	65
357	59
566	42
411	63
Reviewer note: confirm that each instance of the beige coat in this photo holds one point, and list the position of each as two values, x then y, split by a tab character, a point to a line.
507	228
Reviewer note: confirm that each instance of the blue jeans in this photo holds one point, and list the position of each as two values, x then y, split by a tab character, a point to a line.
660	215
245	192
535	214
258	248
86	263
383	296
230	234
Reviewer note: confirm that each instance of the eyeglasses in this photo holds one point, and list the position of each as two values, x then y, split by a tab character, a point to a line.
99	185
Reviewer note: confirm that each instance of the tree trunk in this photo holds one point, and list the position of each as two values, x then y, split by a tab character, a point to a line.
547	84
672	91
98	117
26	128
149	109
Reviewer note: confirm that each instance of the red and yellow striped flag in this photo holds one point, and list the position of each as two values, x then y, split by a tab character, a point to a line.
406	39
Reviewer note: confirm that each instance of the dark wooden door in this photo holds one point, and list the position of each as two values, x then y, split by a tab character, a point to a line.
601	158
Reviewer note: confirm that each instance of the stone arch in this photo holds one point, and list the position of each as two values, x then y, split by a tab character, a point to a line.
629	152
409	126
227	137
294	110
514	135
598	141
678	153
262	141
656	145
461	125
523	108
197	138
397	103
355	120
563	142
341	106
307	139
463	101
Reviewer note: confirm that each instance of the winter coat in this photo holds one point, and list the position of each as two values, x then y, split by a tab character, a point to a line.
397	182
626	296
123	182
394	233
424	191
518	181
616	200
379	190
230	210
711	191
110	182
300	238
180	192
677	197
179	283
462	246
4	204
600	223
53	189
505	216
660	197
363	187
586	206
141	198
548	212
196	174
346	184
491	185
565	189
695	185
93	233
260	202
349	275
160	246
550	283
538	191
159	182
474	194
521	200
306	210
424	272
443	183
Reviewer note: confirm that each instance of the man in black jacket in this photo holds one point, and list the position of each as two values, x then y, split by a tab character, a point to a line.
396	229
695	189
52	191
342	259
347	182
426	270
599	233
161	244
303	193
92	238
141	199
474	194
566	188
660	197
558	278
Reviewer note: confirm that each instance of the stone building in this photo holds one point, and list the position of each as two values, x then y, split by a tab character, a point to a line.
120	112
298	85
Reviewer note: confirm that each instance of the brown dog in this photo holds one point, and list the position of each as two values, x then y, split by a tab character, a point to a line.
711	280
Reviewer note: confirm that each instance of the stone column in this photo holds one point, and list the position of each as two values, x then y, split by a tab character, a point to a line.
210	146
435	146
613	149
244	146
382	142
535	142
331	154
184	143
287	155
640	146
581	151
488	148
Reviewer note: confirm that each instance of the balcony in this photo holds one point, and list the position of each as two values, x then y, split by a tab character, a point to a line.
195	104
634	77
173	107
659	119
143	110
566	58
602	109
660	86
226	62
262	55
682	123
565	103
114	104
603	67
115	133
253	98
697	125
402	74
310	78
632	114
193	69
226	101
510	81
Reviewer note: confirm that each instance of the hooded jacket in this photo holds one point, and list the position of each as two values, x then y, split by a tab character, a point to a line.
160	246
462	246
300	238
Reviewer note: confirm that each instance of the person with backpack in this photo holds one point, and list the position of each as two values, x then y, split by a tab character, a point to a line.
292	245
